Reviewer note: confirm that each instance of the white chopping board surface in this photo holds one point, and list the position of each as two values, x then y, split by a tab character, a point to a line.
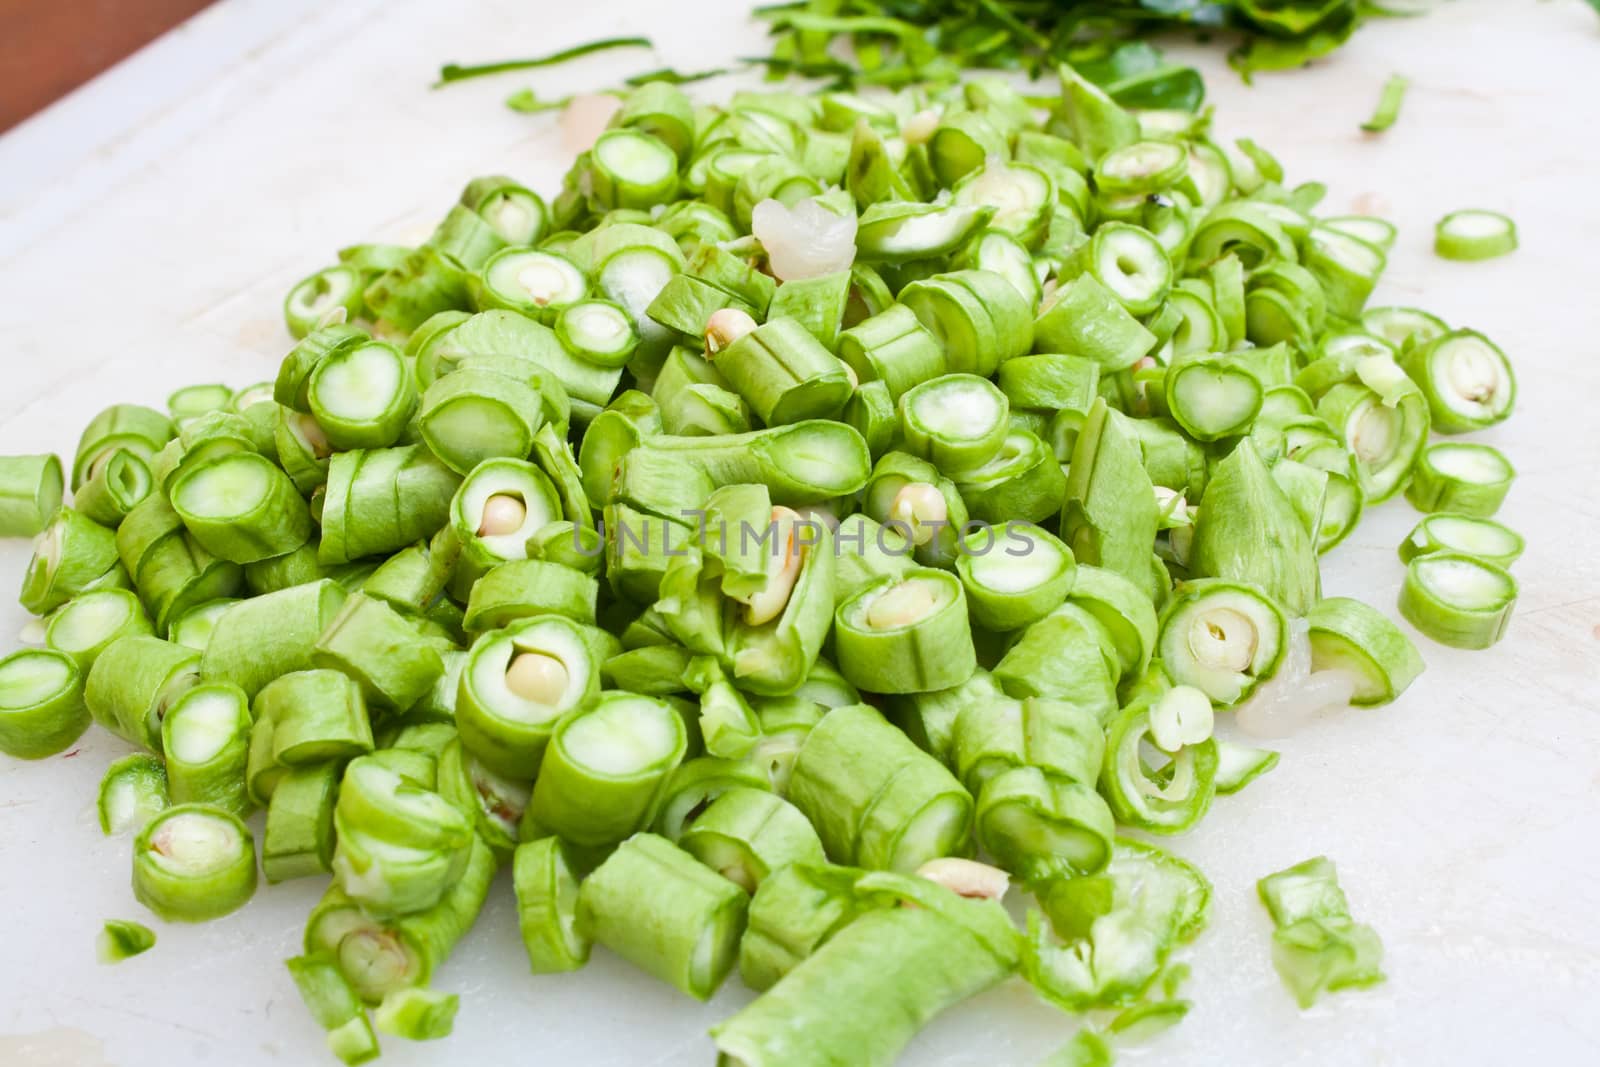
150	224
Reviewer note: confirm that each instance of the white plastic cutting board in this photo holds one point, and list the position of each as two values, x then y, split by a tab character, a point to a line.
150	224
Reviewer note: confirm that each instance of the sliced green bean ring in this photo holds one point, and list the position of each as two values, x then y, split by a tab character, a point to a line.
298	839
1467	380
74	555
138	429
1001	253
242	508
473	414
1347	267
1404	327
1019	194
1144	167
517	214
516	684
657	907
193	628
1358	639
1369	228
1457	600
1212	397
547	907
120	482
1468	479
362	396
779	368
192	401
1039	825
956	421
1222	637
194	862
598	332
898	232
906	635
1474	234
30	492
316	300
132	792
205	739
1086	318
41	703
746	834
1124	609
500	506
1467	535
89	623
605	769
316	715
380	802
1171	798
977	316
1014	575
631	169
1384	438
1130	262
134	681
535	283
892	346
379	957
390	879
1023	481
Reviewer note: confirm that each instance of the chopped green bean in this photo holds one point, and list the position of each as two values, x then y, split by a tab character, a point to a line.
417	1014
42	708
1351	636
660	909
1458	600
194	862
605	768
547	907
1467	479
74	555
1474	234
205	737
298	840
1467	381
30	492
516	684
842	779
132	792
1480	538
1316	945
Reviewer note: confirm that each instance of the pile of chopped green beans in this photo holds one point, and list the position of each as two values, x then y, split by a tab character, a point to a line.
817	493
